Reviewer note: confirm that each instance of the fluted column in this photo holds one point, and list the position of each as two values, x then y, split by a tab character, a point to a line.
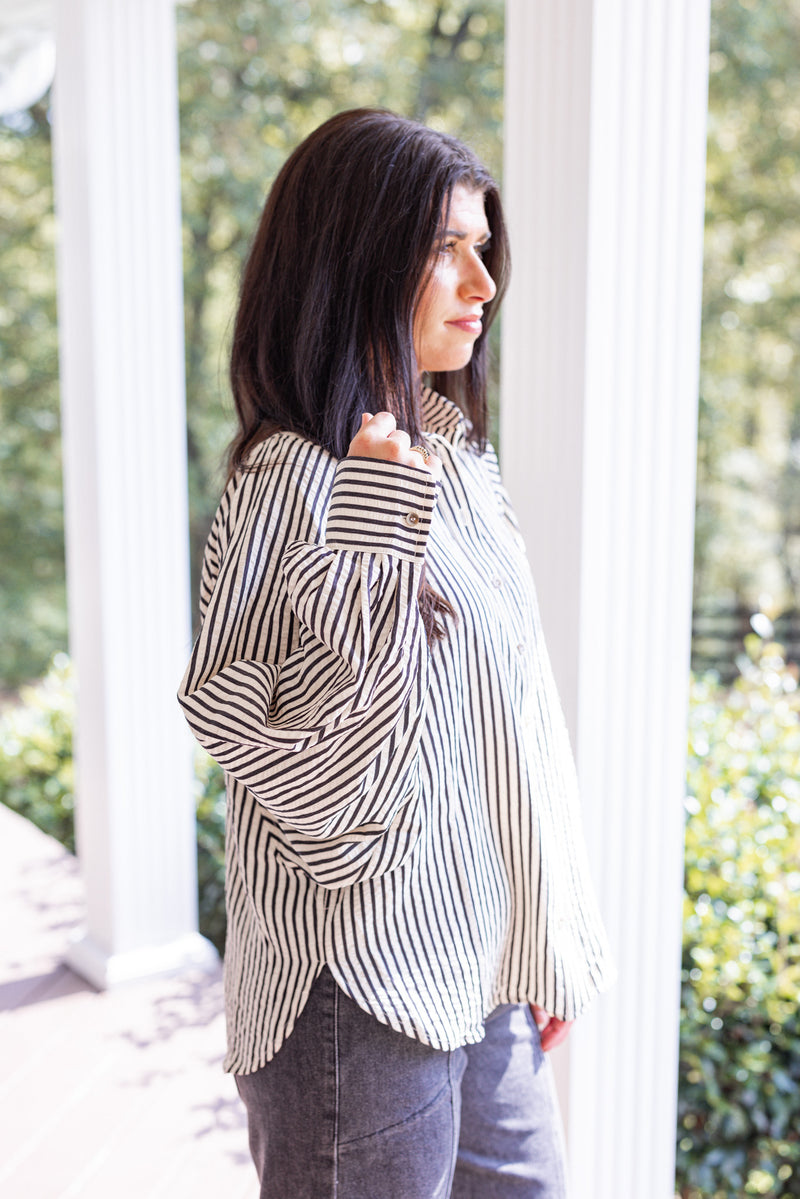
121	334
604	182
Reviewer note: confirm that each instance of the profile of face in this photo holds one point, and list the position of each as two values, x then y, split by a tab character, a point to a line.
447	320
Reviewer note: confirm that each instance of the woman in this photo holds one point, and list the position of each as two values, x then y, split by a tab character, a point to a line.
406	883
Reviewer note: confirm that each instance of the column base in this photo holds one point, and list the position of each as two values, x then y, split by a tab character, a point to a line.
107	970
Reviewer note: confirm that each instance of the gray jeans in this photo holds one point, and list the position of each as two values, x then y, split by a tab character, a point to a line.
350	1109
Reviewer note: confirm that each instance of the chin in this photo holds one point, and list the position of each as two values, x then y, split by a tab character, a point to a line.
445	365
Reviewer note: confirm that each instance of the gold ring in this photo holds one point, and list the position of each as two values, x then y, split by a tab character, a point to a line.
420	449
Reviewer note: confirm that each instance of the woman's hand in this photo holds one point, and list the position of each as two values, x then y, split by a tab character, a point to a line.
379	437
552	1031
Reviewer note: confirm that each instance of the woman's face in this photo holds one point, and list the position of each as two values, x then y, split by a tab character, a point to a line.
447	321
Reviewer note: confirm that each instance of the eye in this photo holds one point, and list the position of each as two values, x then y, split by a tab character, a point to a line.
447	246
483	249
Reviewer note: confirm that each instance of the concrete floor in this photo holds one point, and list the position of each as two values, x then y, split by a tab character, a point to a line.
114	1094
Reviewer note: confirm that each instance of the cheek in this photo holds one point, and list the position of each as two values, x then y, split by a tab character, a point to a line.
426	309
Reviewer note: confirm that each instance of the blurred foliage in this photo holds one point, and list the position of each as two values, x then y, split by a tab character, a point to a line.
36	776
739	1097
32	592
210	795
37	780
748	486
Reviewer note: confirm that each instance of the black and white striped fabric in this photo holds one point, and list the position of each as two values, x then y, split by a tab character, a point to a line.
406	815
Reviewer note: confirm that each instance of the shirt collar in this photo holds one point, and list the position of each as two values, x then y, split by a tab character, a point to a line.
442	416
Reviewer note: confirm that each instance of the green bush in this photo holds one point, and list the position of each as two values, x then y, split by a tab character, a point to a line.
36	780
739	1096
210	798
36	776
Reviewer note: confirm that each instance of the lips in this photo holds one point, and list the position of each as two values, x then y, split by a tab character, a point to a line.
468	324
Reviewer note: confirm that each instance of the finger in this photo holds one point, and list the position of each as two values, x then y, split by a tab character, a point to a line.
434	465
540	1015
370	439
383	422
554	1033
401	439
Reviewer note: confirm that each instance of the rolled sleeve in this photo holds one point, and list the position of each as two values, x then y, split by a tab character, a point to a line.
380	507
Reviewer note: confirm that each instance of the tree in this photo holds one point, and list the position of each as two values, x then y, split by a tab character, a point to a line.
748	509
32	595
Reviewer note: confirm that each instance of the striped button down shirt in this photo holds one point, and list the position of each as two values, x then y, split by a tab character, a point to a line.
406	815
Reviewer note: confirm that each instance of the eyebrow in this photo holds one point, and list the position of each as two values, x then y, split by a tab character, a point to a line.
460	235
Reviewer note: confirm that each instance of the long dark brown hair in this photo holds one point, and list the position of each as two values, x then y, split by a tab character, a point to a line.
324	328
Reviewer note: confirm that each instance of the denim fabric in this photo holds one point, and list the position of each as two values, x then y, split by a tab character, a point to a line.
511	1143
350	1109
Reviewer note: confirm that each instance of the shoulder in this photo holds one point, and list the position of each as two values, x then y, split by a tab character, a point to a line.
287	452
283	465
285	483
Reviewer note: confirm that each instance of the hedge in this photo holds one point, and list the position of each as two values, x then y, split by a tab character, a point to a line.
36	780
739	1094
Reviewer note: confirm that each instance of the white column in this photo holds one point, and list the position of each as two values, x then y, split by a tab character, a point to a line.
604	183
121	330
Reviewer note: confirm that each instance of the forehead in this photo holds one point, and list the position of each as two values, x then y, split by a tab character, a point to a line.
467	209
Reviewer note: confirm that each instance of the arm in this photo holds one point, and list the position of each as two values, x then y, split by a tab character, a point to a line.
324	733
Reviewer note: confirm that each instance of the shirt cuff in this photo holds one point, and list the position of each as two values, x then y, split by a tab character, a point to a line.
380	507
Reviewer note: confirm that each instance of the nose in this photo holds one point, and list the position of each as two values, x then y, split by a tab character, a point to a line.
478	283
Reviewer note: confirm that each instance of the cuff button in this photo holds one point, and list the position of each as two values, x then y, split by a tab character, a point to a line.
412	518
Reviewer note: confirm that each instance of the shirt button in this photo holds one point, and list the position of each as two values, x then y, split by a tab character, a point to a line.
412	518
521	647
497	582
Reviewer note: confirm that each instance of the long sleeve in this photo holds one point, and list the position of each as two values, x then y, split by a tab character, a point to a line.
308	680
408	819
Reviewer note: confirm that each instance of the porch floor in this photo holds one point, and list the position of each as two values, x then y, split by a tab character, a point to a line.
117	1093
